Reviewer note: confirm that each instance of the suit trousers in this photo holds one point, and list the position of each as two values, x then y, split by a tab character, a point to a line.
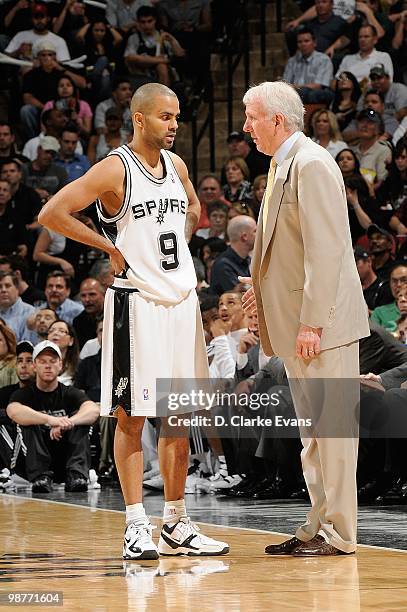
326	390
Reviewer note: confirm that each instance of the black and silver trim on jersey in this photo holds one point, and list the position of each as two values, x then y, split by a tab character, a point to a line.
144	171
176	172
126	198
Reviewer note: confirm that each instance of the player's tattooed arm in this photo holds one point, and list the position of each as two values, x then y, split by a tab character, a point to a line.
194	206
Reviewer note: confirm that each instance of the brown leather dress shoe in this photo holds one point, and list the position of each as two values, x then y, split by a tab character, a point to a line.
285	548
318	546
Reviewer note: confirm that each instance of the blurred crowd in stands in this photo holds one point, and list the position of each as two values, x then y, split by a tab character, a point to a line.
68	71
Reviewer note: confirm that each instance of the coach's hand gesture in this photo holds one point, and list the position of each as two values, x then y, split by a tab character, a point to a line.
248	298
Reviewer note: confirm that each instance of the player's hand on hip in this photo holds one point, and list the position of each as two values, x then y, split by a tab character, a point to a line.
308	345
117	261
248	298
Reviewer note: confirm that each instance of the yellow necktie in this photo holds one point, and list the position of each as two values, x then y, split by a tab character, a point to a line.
269	190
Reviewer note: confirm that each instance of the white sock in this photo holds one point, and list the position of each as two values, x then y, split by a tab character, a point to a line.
135	513
173	511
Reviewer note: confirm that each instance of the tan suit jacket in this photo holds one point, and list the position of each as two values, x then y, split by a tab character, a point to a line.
303	268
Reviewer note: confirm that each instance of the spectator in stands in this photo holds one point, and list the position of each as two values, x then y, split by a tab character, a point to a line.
402	328
348	163
150	53
347	93
238	187
14	238
92	295
373	154
67	100
74	165
209	189
395	190
103	271
381	245
388	315
88	374
19	267
48	253
239	146
64	336
122	14
8	374
376	291
43	319
402	300
101	144
209	250
72	17
259	188
395	94
362	208
327	26
231	311
218	218
362	62
235	261
57	292
399	46
121	96
53	121
26	201
13	310
326	132
43	174
40	85
23	44
309	70
374	100
61	452
240	208
7	144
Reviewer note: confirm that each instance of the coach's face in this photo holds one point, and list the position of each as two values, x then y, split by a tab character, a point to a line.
160	122
264	130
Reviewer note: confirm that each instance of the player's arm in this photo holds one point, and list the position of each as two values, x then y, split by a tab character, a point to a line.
194	206
103	179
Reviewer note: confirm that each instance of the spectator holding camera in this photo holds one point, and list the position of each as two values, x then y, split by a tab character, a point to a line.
76	111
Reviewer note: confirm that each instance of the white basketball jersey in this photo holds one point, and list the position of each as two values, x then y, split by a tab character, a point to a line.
149	231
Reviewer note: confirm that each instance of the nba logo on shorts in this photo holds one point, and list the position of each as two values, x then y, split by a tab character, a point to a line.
145	394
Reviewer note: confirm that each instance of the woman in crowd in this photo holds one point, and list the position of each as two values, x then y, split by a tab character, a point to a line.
259	187
326	132
8	343
347	94
101	144
239	208
64	336
238	187
350	166
77	111
209	250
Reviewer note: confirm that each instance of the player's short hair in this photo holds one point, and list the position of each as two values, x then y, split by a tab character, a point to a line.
144	96
278	97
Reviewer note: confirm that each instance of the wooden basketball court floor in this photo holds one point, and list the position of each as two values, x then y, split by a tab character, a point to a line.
51	546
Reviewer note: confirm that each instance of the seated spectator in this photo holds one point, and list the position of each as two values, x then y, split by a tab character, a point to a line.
348	163
19	266
8	374
122	14
71	18
237	187
388	315
326	132
14	238
239	146
218	218
54	420
209	189
401	301
150	53
101	43
43	174
231	312
102	270
92	295
259	189
88	374
362	62
67	100
101	144
395	94
63	335
57	292
381	245
40	85
13	310
75	165
23	43
48	251
209	250
235	261
26	201
309	70
240	208
121	97
7	144
347	93
376	291
394	192
43	319
53	122
325	23
402	328
362	209
375	101
373	154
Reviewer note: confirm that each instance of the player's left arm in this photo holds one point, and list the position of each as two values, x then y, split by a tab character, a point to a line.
194	206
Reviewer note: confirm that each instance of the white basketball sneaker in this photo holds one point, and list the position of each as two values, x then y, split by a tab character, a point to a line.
184	538
138	543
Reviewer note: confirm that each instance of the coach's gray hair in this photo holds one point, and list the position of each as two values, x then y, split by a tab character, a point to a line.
278	97
238	225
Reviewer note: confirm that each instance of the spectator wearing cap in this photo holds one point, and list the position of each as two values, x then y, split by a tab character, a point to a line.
376	291
43	174
362	62
101	144
74	165
310	71
374	100
40	85
122	92
209	190
381	244
54	422
13	310
388	315
25	201
14	238
238	146
395	94
373	154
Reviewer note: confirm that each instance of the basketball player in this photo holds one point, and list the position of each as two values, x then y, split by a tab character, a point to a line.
148	209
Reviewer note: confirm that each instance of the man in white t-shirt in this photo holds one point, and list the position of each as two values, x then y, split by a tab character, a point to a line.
361	63
21	45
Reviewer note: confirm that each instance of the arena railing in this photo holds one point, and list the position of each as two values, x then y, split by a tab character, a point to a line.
206	95
238	48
